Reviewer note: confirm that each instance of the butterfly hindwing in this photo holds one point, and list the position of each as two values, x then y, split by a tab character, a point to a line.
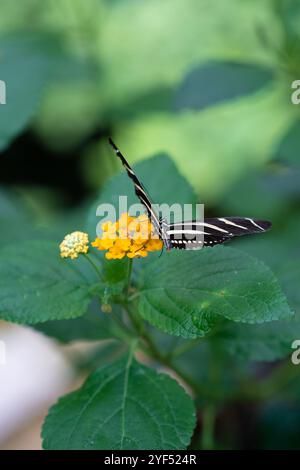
213	231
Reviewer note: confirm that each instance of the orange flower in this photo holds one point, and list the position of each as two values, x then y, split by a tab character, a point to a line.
130	236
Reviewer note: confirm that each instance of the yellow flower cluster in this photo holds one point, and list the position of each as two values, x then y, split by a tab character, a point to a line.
130	236
74	244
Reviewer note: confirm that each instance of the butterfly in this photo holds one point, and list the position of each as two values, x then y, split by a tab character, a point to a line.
194	234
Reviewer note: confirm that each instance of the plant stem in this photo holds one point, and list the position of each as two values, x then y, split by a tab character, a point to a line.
129	272
208	425
278	380
95	267
185	347
123	332
153	351
134	296
133	346
247	390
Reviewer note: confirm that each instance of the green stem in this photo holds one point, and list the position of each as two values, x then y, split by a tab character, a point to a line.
136	321
123	333
134	296
95	267
129	272
133	346
153	351
208	426
185	347
277	381
247	390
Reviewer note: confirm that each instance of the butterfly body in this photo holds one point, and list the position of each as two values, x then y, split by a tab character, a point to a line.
192	235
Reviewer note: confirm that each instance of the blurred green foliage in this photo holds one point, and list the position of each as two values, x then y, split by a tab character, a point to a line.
121	89
208	84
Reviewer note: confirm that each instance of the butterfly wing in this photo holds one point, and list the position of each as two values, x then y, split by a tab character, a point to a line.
213	231
194	234
140	192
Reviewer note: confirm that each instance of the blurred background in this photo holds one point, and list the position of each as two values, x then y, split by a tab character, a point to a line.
208	83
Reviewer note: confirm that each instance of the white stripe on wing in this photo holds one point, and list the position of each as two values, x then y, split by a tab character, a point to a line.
229	222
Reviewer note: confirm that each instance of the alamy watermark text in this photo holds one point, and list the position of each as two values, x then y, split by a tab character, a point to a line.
2	92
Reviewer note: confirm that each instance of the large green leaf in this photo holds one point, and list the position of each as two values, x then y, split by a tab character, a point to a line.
218	374
161	179
205	31
186	293
216	25
13	216
271	248
271	340
289	275
288	149
36	285
280	250
272	190
215	82
267	342
215	147
26	70
122	406
28	64
158	99
94	325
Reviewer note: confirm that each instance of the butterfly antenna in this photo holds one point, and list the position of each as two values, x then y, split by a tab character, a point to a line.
112	143
161	252
117	151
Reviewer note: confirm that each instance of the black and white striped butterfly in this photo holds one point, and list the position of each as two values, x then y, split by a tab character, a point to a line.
194	234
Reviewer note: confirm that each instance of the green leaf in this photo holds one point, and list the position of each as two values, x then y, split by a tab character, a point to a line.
271	191
36	285
122	406
270	248
13	215
281	256
219	375
26	68
209	155
152	173
158	99
289	274
215	82
186	293
94	325
267	342
288	149
217	31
